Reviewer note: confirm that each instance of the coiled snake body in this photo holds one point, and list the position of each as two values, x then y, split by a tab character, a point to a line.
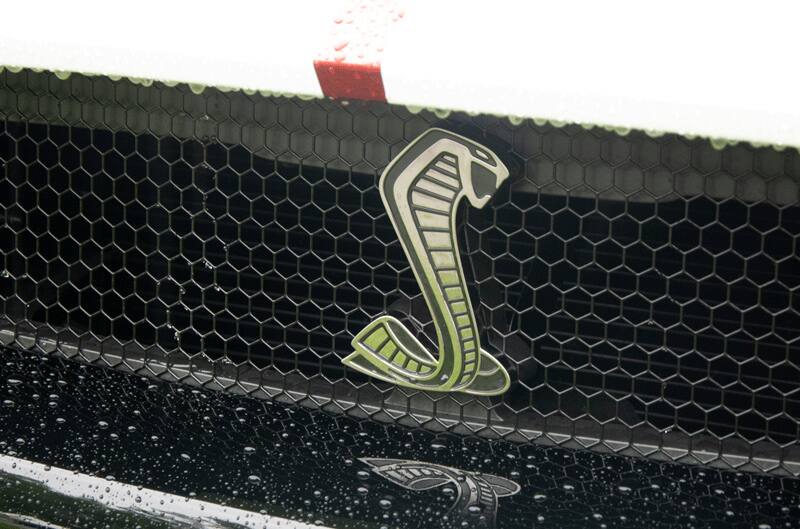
421	189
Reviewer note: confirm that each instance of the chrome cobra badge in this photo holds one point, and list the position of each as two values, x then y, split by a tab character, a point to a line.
473	491
421	189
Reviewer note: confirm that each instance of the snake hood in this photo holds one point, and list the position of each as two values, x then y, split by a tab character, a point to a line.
480	171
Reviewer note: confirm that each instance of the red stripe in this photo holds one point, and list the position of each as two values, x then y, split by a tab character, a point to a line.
350	81
349	67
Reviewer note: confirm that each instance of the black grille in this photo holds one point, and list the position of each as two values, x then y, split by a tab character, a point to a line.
641	290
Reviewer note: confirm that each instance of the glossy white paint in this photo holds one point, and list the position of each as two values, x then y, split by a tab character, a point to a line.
182	511
717	69
266	45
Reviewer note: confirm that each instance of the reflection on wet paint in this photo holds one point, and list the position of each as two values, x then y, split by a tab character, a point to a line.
475	493
294	463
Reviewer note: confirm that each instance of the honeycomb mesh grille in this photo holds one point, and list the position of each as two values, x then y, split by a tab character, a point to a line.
642	291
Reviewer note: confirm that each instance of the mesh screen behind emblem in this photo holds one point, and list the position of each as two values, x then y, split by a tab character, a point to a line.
641	292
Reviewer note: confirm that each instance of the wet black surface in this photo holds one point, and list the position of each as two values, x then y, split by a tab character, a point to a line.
305	465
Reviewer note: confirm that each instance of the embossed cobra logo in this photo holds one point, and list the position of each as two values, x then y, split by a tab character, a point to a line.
421	189
474	491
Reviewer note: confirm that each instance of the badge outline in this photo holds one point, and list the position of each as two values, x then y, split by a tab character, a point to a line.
420	187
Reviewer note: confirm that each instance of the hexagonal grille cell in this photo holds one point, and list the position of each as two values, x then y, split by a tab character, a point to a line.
638	289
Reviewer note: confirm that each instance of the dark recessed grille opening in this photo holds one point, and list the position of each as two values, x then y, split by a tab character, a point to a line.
635	281
669	309
164	243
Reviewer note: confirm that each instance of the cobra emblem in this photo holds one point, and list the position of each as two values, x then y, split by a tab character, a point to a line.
474	492
421	189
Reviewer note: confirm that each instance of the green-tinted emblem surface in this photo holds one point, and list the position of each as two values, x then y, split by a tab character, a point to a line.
421	189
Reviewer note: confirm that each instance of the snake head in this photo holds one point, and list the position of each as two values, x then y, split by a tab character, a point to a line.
485	175
482	172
